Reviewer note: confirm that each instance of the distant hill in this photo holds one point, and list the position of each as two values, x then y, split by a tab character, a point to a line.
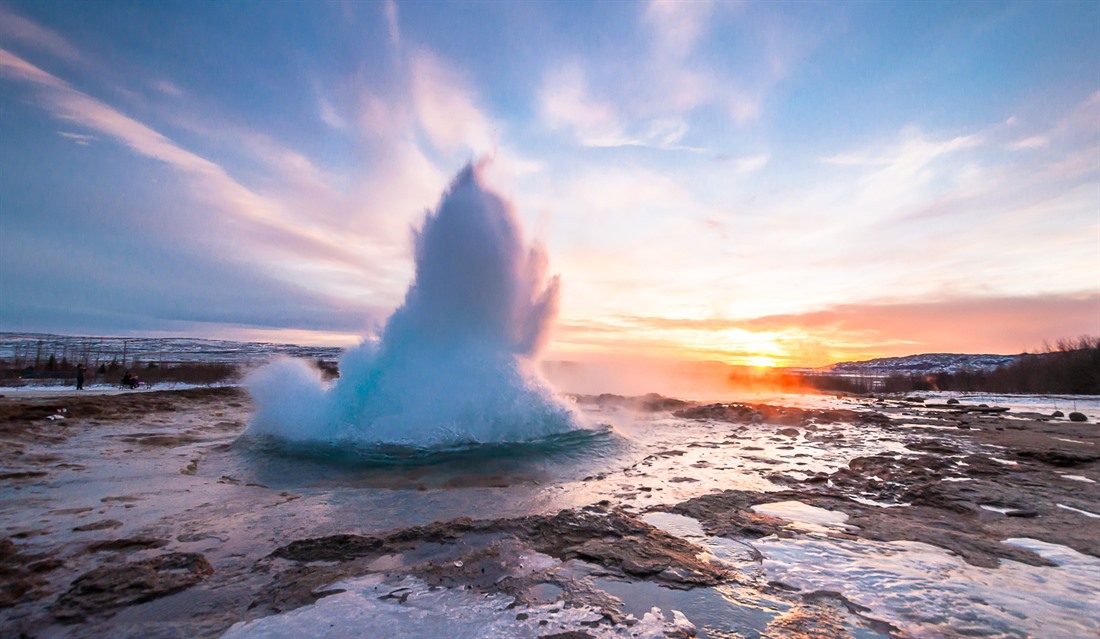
924	364
27	348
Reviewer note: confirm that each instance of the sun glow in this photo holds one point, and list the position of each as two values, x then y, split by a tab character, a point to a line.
761	361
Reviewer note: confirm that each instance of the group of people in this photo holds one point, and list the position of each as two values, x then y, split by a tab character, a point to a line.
129	380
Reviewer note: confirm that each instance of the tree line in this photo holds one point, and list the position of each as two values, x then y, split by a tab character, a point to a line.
1067	367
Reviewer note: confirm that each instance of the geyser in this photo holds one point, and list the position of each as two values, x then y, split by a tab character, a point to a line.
455	363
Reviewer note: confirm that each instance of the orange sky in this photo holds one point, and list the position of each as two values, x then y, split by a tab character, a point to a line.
845	332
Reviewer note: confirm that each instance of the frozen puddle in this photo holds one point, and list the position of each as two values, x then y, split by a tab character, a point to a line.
927	592
371	606
803	515
1078	510
923	590
1080	478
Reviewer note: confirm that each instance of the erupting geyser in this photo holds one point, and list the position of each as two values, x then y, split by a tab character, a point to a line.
455	363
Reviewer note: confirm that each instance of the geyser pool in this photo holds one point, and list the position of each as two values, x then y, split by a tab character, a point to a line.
455	363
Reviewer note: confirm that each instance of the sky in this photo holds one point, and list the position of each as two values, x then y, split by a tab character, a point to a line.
765	183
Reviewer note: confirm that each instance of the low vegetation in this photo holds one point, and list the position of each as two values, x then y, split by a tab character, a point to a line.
64	373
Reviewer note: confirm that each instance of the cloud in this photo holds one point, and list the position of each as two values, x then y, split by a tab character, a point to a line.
150	283
15	28
647	103
910	154
168	88
969	324
268	220
326	110
1033	142
389	9
83	139
16	68
665	75
752	163
845	331
565	104
445	108
677	25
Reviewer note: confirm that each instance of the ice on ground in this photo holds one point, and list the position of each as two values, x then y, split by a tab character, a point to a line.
807	516
372	607
928	592
1079	511
1081	478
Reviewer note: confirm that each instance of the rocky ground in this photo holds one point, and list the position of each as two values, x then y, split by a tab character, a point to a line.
204	550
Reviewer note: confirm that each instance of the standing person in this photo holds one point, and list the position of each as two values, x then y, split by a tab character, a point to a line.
80	377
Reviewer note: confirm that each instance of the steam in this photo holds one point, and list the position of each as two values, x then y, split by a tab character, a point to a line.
456	362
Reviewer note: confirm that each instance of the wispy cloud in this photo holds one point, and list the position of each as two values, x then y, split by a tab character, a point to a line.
82	139
668	80
389	10
15	28
1033	142
565	104
752	163
677	25
16	68
445	107
215	185
168	88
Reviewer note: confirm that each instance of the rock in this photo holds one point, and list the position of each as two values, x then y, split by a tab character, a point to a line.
99	525
612	539
618	540
782	415
789	432
1057	413
21	574
1059	458
132	543
331	548
104	590
952	401
1077	417
933	446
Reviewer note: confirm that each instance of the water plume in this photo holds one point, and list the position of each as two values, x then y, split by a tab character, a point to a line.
455	364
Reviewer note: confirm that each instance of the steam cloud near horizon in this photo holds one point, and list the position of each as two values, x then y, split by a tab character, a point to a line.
456	362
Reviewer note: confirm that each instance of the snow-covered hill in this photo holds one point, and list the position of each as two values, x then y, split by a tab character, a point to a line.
927	363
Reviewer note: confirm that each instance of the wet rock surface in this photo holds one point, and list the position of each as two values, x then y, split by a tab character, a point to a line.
651	402
22	575
205	545
108	588
783	415
955	491
500	556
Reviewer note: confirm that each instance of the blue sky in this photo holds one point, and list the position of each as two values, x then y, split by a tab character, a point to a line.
785	182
